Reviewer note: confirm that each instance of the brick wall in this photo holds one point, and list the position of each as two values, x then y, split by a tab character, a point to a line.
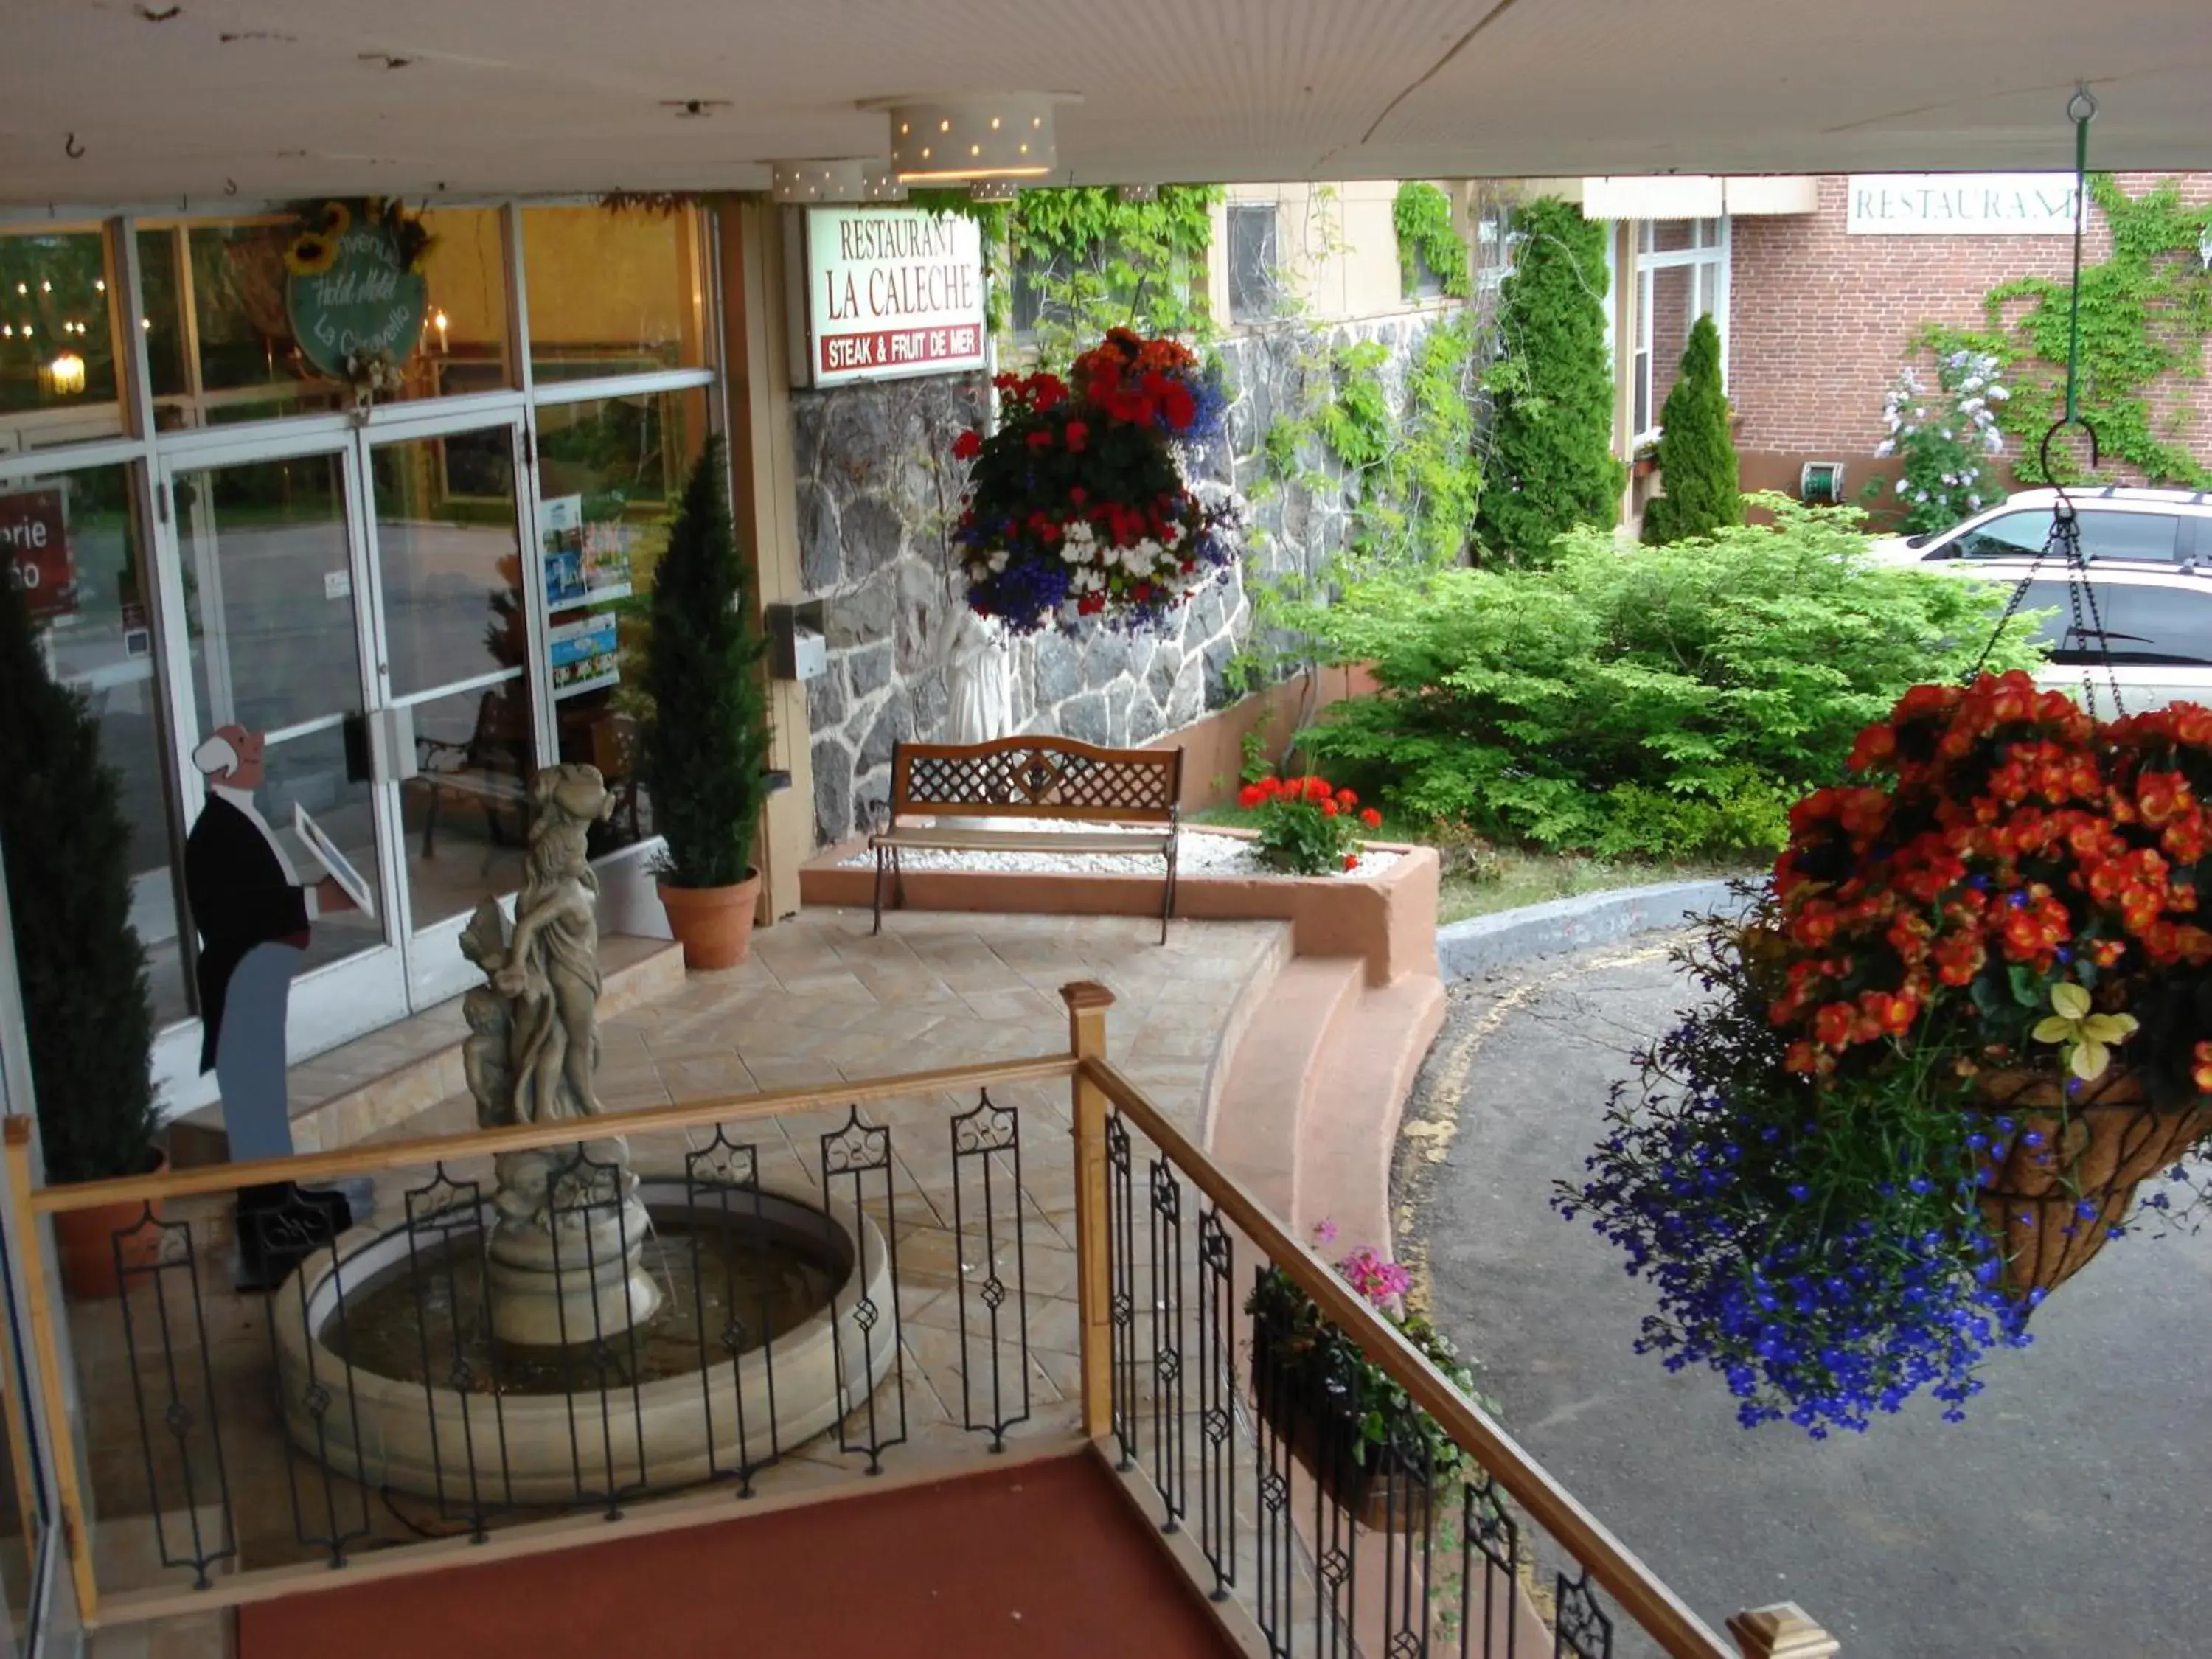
1819	322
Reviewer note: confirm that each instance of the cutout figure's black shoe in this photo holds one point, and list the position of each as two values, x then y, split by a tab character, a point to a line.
279	1226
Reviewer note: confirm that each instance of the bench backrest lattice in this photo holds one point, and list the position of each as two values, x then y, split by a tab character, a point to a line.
1030	777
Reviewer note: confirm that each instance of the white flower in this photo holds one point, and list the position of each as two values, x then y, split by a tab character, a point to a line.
1920	496
998	560
976	573
1995	442
1999	393
1919	414
1903	484
1884	449
1974	501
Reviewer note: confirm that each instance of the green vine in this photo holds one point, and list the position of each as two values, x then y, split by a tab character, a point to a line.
1427	238
2146	316
1407	470
1101	261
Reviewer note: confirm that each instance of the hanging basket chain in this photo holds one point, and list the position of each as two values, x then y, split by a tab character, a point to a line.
2064	540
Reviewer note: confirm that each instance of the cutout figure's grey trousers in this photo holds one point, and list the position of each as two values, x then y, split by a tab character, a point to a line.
249	1054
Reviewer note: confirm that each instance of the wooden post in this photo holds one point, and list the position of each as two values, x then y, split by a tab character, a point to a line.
1781	1631
46	1366
1087	1004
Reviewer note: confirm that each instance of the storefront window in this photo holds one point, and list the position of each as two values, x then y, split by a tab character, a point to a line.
250	366
611	472
74	551
57	378
612	293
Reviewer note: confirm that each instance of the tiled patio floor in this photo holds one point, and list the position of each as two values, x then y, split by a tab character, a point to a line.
821	1000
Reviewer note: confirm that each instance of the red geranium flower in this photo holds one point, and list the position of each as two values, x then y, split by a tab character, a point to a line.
1077	435
967	447
1041	439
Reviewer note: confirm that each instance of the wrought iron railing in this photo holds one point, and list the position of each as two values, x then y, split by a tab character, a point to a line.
958	1230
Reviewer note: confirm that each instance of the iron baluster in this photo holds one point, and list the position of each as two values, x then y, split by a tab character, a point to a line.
980	1136
176	1416
1169	1439
1217	1383
853	1151
1121	1292
316	1399
1580	1627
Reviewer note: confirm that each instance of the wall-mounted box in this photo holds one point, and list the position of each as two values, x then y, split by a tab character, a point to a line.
798	642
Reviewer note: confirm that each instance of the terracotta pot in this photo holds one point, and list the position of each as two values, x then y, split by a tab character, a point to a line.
1382	1493
2095	1148
100	1248
714	925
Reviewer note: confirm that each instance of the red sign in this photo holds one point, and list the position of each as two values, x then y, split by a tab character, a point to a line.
896	349
34	541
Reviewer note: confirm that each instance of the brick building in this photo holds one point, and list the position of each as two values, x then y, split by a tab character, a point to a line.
1818	303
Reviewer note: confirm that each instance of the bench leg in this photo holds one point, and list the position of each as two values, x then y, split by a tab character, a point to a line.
880	862
1166	900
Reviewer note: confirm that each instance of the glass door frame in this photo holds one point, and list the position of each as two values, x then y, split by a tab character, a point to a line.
367	989
434	968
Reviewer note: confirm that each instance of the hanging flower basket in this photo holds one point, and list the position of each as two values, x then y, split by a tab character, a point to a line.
1970	1015
1079	507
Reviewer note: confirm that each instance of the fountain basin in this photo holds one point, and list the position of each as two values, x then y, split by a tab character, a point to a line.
465	1435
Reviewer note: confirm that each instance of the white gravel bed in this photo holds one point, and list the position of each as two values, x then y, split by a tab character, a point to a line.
1198	852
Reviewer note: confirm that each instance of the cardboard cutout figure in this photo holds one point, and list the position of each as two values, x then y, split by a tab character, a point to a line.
254	916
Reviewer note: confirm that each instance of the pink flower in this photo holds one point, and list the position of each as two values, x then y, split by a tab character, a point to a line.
1384	1283
1324	1232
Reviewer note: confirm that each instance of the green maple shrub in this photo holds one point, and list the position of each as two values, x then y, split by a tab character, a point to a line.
706	745
83	970
1667	700
1551	467
1697	451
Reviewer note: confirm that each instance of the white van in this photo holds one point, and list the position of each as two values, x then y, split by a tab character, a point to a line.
2155	527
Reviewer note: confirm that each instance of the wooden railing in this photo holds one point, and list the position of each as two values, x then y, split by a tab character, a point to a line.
1284	1579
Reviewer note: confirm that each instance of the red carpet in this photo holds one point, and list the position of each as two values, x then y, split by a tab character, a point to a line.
1047	1560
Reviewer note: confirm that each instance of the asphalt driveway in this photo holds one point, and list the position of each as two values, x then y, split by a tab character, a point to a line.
2070	1515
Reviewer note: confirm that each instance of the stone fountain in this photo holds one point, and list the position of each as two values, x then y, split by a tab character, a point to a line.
448	1352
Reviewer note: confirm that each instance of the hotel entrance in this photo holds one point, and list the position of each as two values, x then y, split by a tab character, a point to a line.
411	545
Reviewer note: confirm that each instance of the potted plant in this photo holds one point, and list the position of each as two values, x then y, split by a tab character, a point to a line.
1646	459
1967	1017
706	744
1385	1460
82	966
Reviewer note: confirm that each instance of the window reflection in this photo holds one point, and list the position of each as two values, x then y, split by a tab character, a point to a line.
57	378
74	550
612	293
611	473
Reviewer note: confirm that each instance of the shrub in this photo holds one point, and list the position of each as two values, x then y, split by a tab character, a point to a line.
1944	439
1551	465
90	1028
1697	451
1669	700
1305	827
707	745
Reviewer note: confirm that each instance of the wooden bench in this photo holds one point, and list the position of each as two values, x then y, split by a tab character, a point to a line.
1053	778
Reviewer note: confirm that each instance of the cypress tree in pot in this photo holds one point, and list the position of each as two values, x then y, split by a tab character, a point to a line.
705	745
83	971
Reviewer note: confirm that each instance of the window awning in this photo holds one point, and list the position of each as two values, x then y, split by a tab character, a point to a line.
1697	196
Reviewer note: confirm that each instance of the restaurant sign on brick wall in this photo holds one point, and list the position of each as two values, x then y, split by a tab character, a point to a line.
891	292
1961	204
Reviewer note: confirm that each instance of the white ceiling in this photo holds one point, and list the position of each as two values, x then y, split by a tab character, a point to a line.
269	98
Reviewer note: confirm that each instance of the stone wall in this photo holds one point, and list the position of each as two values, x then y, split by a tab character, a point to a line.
876	501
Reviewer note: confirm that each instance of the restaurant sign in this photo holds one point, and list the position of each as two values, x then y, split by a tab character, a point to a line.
1961	204
891	292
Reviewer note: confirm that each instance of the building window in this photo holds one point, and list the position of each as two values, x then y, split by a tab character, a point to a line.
1681	275
1252	263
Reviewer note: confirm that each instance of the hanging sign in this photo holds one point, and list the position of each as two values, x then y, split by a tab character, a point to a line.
1961	204
364	305
892	292
35	545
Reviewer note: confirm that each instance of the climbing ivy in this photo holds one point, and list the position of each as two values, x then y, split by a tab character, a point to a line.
1427	238
2146	316
1099	261
1405	466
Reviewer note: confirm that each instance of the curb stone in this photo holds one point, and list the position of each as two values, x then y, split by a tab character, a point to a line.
1482	946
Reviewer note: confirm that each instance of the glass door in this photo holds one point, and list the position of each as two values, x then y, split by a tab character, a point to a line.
273	569
453	613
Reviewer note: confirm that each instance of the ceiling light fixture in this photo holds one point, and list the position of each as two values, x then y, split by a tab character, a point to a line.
849	179
65	374
993	189
1139	192
947	140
